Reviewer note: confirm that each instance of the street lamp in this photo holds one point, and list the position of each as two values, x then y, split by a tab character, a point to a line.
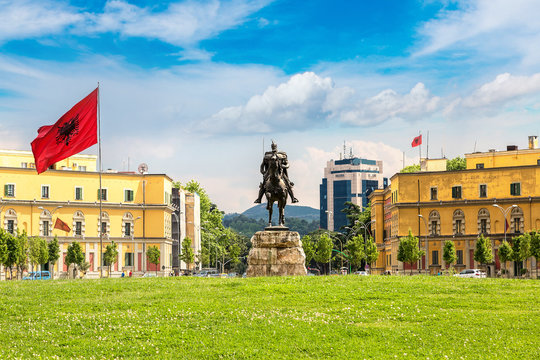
426	240
329	213
504	212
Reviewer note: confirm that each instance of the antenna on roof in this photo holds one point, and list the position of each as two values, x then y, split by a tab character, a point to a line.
474	146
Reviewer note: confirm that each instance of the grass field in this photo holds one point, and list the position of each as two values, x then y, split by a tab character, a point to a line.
379	317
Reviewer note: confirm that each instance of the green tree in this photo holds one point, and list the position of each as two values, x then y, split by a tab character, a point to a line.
12	251
411	168
3	247
323	250
187	255
54	253
33	251
521	247
43	256
356	251
22	254
74	256
309	249
483	253
535	247
449	252
372	254
408	251
153	255
457	163
505	253
111	255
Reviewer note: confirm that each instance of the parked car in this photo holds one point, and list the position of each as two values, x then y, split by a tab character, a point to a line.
471	273
149	275
232	275
38	275
362	273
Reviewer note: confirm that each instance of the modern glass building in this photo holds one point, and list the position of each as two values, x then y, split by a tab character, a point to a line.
351	179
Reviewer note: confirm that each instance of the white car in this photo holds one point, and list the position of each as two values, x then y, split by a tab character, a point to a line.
362	273
471	273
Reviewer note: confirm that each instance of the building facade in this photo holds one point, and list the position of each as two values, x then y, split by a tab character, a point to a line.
497	187
352	180
136	211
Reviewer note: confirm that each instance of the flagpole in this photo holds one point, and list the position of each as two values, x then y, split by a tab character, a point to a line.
420	151
100	190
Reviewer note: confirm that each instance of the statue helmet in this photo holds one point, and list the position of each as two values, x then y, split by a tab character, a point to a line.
274	145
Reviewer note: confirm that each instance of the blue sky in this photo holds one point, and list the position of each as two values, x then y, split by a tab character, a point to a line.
193	88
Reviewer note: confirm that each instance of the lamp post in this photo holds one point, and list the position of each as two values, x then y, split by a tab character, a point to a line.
52	212
426	240
504	212
366	231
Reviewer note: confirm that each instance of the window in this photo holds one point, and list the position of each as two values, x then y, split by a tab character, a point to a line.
480	166
456	192
458	227
45	191
103	227
82	168
24	165
483	190
128	195
129	259
435	257
459	255
538	162
434	227
9	190
483	226
103	194
517	224
459	222
515	189
127	229
45	228
433	193
11	226
78	193
78	227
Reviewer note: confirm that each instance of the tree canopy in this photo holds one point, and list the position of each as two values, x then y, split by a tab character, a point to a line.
457	163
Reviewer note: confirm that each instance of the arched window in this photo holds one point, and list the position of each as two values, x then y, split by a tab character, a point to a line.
484	224
78	223
105	227
10	221
434	223
127	225
516	220
45	223
458	222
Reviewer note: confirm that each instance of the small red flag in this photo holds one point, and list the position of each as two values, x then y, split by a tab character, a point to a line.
60	225
417	141
75	131
506	224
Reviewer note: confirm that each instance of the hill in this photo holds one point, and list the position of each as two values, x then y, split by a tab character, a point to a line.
291	211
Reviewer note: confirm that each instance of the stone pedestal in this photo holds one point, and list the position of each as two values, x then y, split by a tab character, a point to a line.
276	253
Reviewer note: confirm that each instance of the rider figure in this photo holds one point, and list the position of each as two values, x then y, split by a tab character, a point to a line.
284	165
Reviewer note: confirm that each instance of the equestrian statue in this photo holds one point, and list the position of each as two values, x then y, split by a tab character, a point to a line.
276	184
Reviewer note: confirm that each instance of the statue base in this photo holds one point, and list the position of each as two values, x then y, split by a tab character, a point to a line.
276	253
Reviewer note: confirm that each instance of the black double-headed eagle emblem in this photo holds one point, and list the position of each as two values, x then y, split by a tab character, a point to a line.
67	130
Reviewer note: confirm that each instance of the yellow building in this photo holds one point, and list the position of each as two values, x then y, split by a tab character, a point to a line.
459	205
136	210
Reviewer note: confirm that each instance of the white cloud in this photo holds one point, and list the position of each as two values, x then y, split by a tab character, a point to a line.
505	87
388	104
26	18
486	26
305	100
182	23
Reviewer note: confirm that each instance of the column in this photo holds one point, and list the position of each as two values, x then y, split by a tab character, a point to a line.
120	257
467	254
443	263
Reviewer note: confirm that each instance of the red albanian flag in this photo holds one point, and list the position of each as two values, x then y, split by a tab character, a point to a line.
59	224
417	141
75	131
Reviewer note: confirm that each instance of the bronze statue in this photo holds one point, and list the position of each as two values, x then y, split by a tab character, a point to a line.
276	184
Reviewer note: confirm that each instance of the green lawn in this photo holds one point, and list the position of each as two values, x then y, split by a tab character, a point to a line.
379	317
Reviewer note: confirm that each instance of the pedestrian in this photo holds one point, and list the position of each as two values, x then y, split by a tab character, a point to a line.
123	274
130	273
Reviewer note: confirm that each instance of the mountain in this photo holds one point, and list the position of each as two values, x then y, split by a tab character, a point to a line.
291	211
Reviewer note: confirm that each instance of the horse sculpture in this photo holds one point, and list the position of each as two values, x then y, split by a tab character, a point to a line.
275	189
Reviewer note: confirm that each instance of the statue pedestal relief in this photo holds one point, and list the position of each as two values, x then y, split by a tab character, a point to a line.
276	252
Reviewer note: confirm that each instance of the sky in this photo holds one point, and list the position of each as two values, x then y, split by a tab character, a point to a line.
199	89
